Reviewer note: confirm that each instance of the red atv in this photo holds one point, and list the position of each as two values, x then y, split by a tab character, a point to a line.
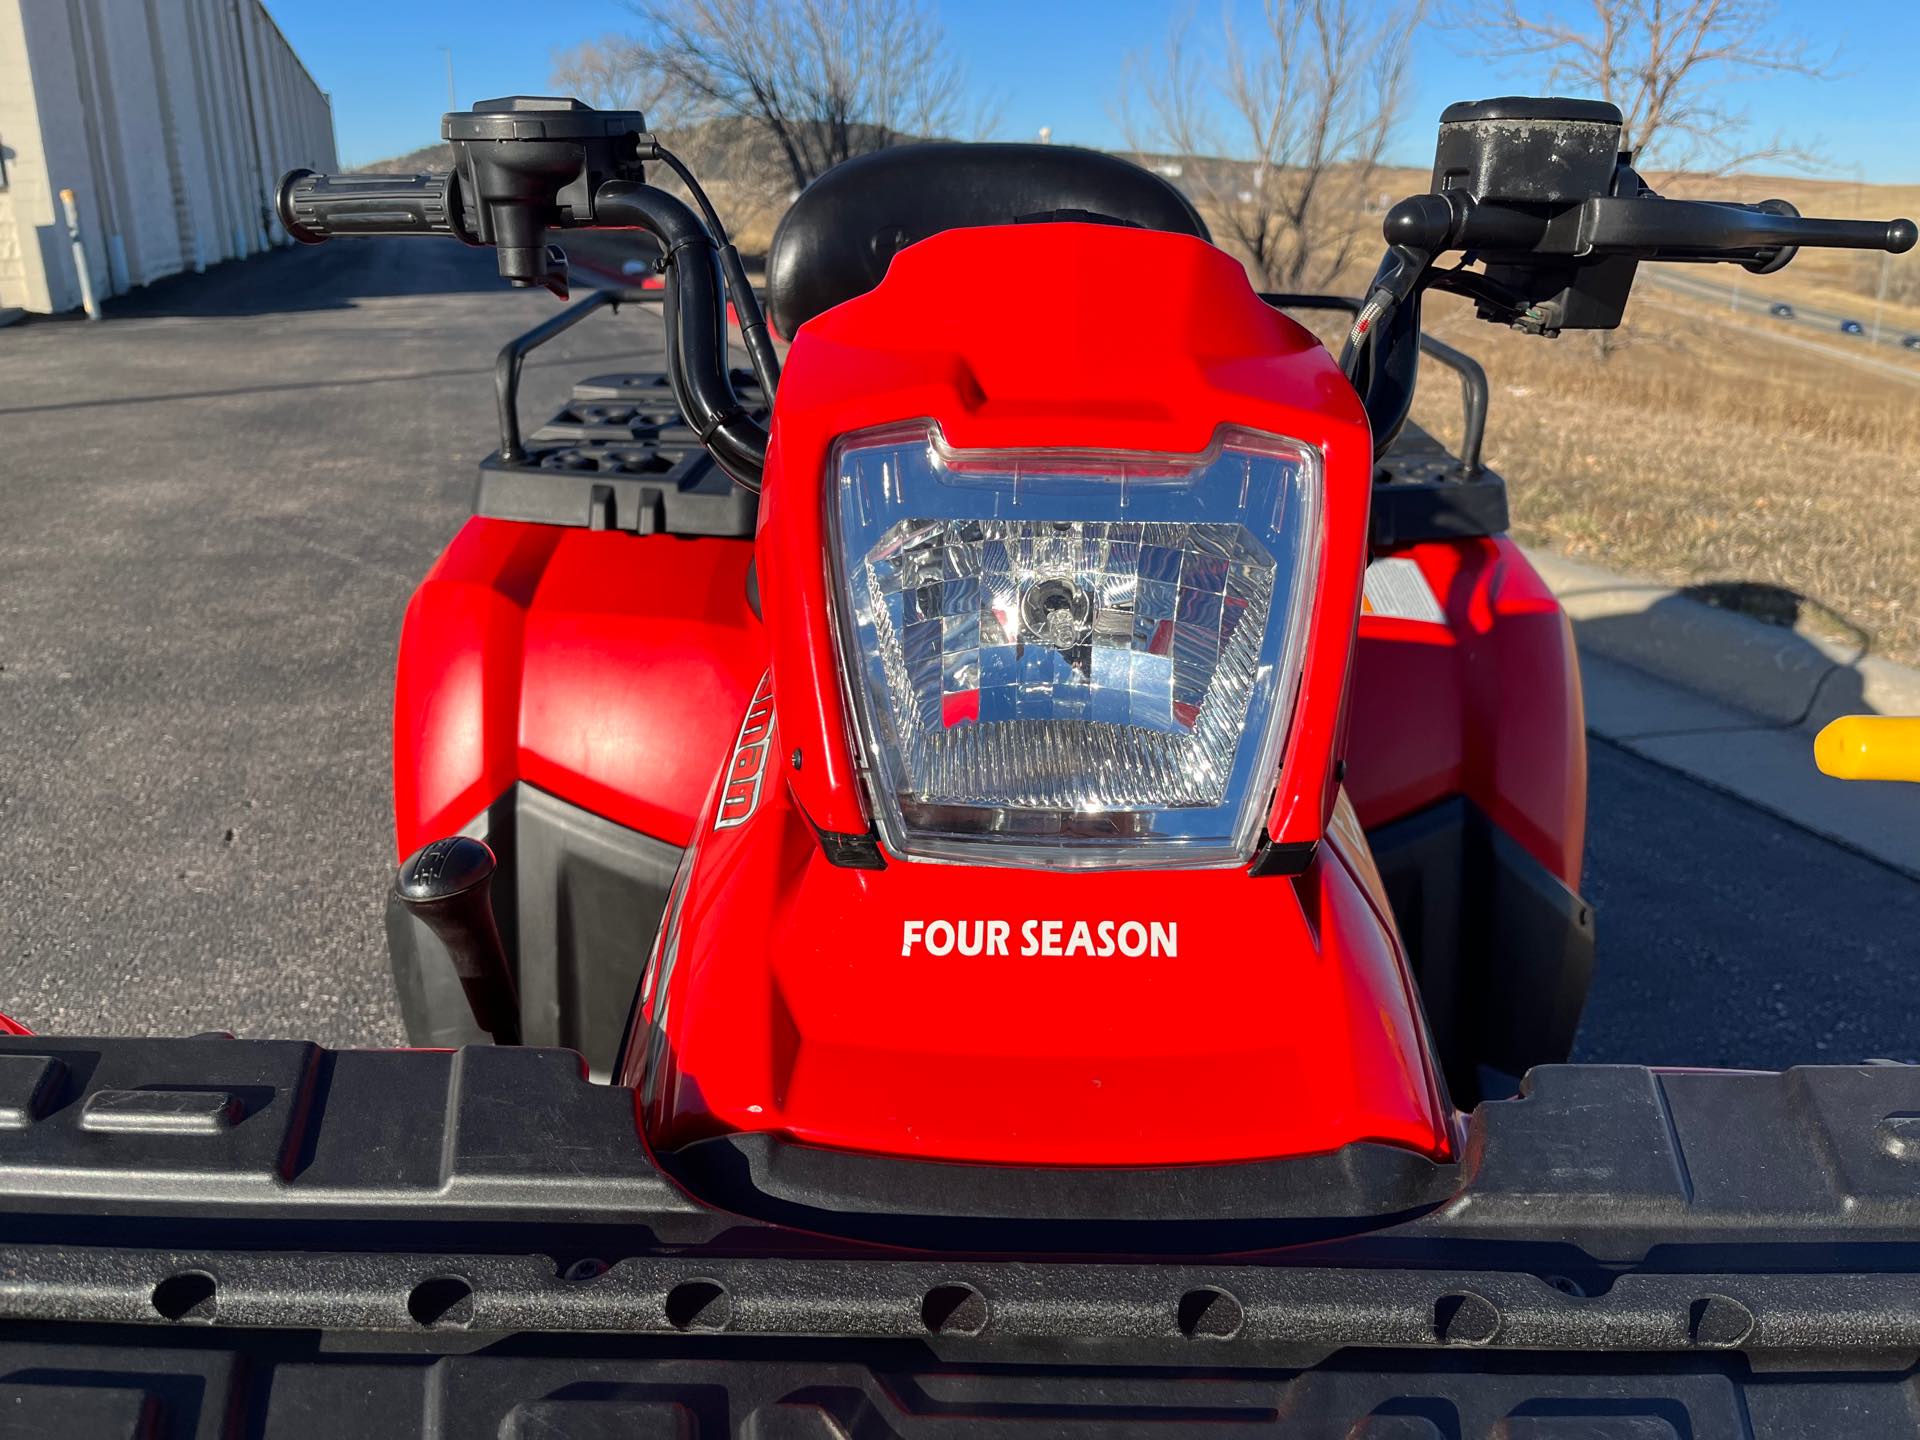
1071	708
591	651
1043	808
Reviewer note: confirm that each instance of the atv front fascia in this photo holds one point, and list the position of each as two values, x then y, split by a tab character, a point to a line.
788	999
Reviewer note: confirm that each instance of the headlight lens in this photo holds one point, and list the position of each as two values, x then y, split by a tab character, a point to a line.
1087	659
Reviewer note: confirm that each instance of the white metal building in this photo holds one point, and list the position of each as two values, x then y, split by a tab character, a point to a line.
170	120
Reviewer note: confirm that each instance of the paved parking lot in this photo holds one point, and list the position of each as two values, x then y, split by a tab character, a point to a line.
212	510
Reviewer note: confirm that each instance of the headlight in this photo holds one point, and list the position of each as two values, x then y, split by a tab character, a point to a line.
1086	659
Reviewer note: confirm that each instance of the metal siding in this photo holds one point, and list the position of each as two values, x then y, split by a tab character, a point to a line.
170	120
26	201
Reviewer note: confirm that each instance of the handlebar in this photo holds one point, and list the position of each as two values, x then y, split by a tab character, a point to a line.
318	207
525	165
1644	226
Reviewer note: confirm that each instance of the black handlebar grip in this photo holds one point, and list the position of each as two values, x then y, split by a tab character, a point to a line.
319	207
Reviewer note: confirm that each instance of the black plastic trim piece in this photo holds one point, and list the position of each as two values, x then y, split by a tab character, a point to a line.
1501	948
1012	1209
1292	858
438	1383
1436	507
850	851
1795	1190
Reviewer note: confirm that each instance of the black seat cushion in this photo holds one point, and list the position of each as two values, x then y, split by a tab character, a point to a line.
840	235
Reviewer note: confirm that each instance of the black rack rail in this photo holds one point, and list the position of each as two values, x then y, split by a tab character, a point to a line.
1423	491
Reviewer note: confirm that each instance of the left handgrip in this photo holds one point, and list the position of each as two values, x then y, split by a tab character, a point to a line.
317	207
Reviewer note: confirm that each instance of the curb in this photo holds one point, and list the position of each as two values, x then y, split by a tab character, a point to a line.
1734	703
1783	675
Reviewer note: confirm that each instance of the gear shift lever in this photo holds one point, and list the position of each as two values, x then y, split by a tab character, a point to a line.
447	886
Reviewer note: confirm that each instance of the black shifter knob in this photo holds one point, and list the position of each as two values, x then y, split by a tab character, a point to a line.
447	885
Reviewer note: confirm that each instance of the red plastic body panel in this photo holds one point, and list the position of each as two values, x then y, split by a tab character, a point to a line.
605	668
11	1026
1275	1017
1486	705
1284	1025
1035	362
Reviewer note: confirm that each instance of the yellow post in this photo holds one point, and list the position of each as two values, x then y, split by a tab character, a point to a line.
1870	747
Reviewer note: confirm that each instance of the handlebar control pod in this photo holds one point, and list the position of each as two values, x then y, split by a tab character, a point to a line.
528	163
319	207
523	164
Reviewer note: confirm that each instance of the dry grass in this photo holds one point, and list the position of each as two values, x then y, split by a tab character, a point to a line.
1700	453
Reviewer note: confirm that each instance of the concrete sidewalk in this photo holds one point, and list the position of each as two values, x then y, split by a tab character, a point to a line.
1735	702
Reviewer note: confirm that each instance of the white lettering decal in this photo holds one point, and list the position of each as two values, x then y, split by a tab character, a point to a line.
1053	939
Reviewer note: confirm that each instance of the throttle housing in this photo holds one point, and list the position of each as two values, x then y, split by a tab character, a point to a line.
527	163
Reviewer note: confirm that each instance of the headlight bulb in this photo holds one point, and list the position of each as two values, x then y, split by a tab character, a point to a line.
1057	613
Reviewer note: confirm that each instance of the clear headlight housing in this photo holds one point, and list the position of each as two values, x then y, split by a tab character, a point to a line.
1071	658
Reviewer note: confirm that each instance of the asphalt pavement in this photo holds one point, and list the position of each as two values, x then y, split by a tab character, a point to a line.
213	507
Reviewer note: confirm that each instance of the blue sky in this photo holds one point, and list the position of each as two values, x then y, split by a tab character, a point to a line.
1056	64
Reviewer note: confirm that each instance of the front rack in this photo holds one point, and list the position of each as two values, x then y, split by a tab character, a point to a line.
620	456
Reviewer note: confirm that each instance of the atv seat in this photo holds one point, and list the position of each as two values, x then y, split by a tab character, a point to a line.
841	234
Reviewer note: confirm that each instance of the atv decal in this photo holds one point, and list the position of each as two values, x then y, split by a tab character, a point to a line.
1052	938
740	794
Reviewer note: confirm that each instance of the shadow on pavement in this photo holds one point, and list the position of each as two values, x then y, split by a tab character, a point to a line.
1772	670
333	276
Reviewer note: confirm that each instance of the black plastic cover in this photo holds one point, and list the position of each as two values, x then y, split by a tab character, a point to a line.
1615	1170
1422	492
104	1383
1527	150
1502	950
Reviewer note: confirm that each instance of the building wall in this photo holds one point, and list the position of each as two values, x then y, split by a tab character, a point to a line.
171	121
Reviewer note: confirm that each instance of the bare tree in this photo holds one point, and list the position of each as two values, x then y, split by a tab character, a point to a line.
1279	140
619	72
614	72
818	80
1663	62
